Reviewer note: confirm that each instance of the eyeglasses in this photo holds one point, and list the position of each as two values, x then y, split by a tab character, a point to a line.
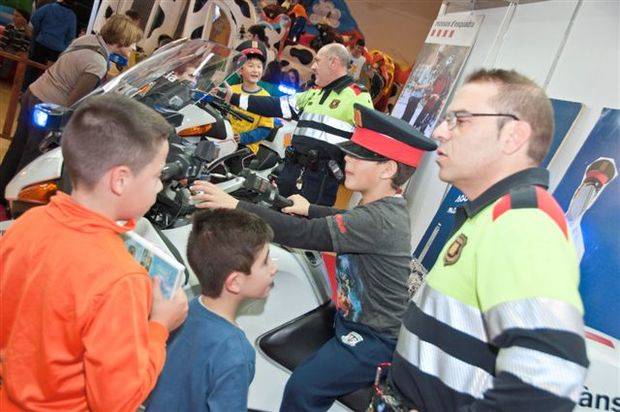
452	118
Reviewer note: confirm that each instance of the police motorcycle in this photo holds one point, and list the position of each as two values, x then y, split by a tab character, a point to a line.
297	317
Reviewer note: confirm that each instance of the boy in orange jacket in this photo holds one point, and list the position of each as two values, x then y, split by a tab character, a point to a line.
82	325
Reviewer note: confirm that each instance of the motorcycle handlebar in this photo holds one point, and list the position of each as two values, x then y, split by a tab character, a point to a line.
281	202
266	191
173	170
226	108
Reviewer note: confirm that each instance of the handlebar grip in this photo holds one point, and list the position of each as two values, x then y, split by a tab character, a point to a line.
280	202
241	116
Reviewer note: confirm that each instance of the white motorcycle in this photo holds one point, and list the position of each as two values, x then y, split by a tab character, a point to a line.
297	318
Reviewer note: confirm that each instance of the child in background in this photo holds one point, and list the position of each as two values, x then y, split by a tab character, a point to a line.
83	327
210	362
246	133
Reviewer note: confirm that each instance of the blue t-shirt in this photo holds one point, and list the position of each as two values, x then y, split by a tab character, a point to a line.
209	366
54	26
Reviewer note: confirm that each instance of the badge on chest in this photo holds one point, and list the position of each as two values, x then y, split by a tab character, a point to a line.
454	250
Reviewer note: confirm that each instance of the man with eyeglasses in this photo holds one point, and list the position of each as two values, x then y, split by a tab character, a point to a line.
498	323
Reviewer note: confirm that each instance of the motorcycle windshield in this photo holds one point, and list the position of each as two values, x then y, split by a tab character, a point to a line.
197	64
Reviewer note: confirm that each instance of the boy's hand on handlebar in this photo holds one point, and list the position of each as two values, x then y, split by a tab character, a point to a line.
209	196
300	206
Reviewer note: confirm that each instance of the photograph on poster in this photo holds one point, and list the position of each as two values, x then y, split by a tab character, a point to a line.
436	71
589	193
431	82
440	229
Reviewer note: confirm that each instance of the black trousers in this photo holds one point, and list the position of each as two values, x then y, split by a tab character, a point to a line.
24	147
318	185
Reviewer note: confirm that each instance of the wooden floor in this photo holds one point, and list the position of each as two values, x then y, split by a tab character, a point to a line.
5	92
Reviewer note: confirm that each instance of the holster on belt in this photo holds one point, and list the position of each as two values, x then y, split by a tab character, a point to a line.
384	397
308	159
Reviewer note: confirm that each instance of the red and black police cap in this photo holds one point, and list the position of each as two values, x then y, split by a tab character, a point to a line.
379	137
253	48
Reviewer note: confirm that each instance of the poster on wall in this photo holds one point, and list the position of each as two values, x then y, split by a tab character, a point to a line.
589	193
436	71
438	232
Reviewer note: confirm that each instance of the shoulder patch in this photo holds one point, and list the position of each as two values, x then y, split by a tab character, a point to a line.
532	197
357	88
340	223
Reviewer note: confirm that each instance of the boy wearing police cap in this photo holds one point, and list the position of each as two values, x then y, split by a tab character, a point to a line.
372	242
251	133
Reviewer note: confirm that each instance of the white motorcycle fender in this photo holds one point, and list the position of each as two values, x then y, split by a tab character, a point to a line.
282	138
195	116
42	169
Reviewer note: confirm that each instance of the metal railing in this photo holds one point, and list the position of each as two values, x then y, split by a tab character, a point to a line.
23	62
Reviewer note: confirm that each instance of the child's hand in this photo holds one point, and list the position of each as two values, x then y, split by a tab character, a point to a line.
209	196
171	313
300	206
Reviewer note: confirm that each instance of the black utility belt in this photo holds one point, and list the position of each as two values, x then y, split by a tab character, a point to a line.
307	158
312	159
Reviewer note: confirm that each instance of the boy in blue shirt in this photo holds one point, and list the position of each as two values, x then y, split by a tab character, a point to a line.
210	362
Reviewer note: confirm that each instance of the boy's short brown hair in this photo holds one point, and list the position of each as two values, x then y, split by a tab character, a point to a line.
223	241
403	173
108	131
121	30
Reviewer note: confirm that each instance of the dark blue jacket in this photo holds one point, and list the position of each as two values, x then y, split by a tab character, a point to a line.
54	26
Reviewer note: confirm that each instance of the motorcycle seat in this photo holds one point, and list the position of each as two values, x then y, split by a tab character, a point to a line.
293	342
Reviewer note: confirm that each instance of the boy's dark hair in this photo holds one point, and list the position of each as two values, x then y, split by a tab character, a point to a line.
360	42
256	57
108	131
223	241
403	173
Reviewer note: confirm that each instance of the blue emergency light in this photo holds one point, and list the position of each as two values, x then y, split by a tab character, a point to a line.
119	59
286	89
39	118
48	115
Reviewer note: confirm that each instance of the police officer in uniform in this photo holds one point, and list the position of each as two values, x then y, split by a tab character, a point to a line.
498	323
325	118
